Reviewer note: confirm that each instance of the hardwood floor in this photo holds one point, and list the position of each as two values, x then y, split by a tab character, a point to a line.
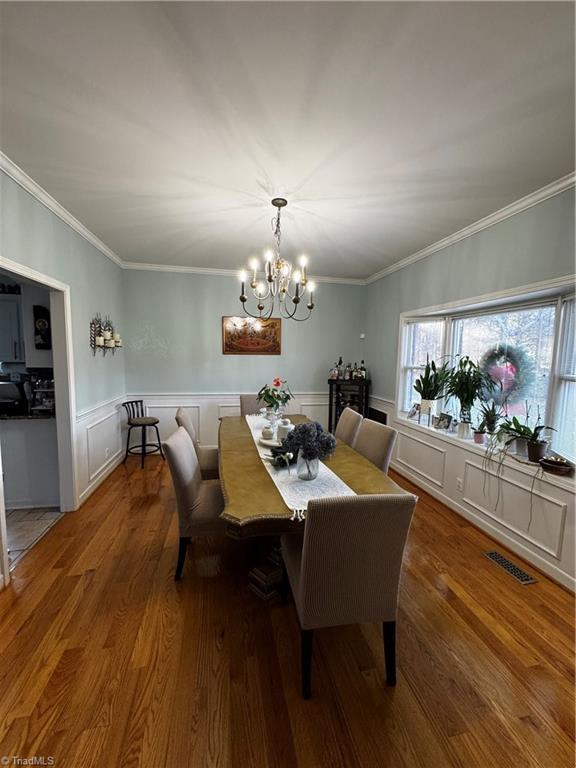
106	661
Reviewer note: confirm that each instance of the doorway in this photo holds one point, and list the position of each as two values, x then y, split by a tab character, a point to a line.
37	467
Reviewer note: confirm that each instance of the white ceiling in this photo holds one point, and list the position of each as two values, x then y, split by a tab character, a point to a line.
166	128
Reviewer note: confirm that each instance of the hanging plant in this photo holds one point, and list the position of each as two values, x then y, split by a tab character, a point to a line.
510	366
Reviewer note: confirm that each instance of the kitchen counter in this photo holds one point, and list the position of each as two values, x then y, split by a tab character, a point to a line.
26	417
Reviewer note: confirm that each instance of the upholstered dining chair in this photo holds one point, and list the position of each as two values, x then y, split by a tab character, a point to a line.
376	442
249	405
199	502
207	457
137	419
348	425
346	568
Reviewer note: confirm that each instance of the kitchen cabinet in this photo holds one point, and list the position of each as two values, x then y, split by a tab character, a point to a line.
11	344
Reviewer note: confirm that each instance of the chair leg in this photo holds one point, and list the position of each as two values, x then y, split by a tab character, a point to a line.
182	546
306	643
127	444
389	633
143	454
159	441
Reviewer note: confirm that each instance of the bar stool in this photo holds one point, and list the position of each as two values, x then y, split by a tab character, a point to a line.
136	418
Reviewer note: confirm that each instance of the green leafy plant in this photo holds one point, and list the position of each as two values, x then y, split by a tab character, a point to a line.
276	395
491	414
513	429
465	382
431	383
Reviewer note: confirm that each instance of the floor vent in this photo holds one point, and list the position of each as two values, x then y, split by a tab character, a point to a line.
509	567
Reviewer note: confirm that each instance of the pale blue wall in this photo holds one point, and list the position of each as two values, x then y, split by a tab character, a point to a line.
32	235
174	336
535	245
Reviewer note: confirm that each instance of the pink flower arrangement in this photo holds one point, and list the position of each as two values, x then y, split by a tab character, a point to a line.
276	395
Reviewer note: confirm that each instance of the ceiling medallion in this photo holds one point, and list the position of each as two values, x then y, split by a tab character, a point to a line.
283	286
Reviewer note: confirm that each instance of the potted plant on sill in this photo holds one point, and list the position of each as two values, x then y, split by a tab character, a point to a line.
466	382
529	442
430	386
480	435
491	414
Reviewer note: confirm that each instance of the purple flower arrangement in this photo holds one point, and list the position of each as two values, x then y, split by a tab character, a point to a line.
311	440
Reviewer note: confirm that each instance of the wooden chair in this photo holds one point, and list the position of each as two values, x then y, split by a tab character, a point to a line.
348	425
137	419
207	457
346	568
376	442
200	502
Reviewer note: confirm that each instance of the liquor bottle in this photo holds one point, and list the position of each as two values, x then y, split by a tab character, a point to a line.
347	372
362	370
333	374
355	372
340	368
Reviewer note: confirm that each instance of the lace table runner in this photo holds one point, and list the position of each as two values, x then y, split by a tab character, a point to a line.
295	492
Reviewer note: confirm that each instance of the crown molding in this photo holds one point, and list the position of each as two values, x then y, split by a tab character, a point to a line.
26	182
538	196
133	265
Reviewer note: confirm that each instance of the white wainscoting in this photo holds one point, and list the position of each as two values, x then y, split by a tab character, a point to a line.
208	409
532	517
99	445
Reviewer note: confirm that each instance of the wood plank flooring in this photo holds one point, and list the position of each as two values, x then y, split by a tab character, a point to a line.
106	661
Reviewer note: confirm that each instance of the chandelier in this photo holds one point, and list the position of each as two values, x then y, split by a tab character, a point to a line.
283	286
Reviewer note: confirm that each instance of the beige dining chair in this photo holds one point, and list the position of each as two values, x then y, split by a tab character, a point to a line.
199	502
346	568
250	405
376	442
207	457
348	425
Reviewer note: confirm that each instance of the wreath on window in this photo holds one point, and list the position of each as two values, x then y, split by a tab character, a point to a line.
510	366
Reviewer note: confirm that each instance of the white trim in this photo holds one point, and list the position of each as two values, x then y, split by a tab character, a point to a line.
498	535
113	402
556	553
538	196
26	182
133	265
439	483
61	307
532	290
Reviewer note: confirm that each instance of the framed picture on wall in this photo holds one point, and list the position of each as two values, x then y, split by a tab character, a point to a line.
250	336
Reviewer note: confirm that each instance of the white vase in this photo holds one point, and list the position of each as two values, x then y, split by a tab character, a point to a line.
464	430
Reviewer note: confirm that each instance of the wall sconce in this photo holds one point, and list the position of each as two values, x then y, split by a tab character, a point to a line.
103	337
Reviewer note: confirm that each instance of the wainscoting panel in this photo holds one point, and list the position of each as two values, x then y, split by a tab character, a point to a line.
99	444
536	516
104	443
421	457
532	515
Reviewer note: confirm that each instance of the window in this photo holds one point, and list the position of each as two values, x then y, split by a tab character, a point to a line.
421	339
520	345
564	441
516	348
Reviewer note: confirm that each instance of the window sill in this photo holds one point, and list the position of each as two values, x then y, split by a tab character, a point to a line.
521	465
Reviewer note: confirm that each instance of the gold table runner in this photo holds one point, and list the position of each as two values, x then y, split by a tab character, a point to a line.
249	491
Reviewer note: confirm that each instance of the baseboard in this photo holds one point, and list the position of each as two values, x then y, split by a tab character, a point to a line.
30	503
532	558
108	468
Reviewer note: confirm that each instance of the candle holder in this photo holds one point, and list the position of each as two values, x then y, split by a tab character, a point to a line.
103	336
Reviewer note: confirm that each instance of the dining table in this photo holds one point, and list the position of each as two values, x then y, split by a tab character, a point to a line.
253	504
